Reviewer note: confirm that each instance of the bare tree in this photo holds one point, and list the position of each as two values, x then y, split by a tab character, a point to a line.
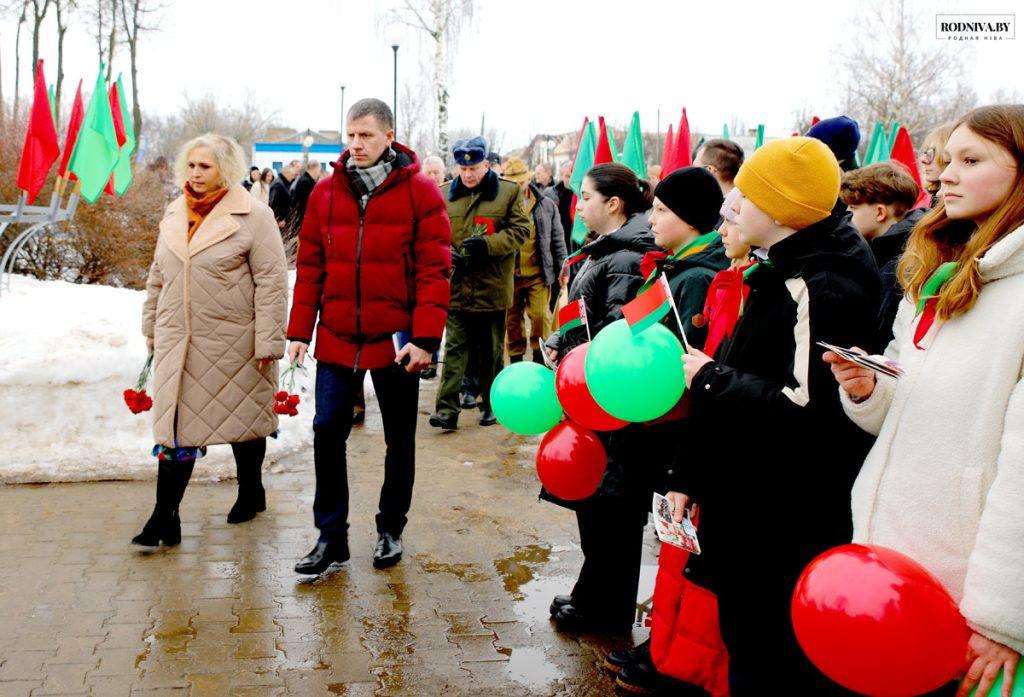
802	119
17	58
135	16
889	75
105	24
63	9
39	9
246	123
416	113
441	21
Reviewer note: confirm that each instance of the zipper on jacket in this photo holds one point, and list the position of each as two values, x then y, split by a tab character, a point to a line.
359	274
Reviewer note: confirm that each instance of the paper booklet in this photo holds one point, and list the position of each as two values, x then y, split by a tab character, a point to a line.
879	364
682	535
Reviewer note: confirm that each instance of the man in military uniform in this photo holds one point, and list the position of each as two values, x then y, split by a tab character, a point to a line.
488	226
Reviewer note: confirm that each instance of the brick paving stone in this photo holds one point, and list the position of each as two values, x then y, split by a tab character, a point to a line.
465	613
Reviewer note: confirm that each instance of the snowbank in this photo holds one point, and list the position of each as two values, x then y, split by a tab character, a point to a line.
67	352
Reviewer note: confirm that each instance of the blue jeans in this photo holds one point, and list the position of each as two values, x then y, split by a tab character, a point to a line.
398	397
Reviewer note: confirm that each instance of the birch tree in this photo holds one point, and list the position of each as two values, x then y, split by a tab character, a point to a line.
440	21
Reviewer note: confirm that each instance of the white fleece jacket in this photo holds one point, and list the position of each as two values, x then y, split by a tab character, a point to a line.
944	482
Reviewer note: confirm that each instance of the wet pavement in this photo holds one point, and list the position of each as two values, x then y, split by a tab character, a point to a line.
464	613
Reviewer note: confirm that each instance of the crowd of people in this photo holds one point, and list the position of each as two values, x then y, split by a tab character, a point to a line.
779	448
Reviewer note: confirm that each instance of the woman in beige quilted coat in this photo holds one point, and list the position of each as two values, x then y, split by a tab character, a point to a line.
214	318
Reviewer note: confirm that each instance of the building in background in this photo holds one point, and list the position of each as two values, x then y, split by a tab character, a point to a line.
282	145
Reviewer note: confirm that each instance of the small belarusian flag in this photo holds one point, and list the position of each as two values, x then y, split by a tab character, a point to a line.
573	315
649	307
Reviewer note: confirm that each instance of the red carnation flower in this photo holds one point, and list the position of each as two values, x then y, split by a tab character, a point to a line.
281	396
292	411
293	400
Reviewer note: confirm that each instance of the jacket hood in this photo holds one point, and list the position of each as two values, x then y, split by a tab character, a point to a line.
635	235
890	245
1005	258
832	245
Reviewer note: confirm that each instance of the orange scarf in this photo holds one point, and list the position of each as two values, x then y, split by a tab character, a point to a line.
200	205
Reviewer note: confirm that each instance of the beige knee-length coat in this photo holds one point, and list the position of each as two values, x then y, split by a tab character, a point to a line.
214	307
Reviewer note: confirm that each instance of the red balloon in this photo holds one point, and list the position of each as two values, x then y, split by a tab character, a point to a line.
571	461
875	621
575	397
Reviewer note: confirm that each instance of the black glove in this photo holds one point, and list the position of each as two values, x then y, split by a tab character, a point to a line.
475	250
459	263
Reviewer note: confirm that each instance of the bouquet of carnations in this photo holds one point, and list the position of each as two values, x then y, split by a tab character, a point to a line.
286	402
137	400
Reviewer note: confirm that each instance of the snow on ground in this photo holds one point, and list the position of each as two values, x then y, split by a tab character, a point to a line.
67	353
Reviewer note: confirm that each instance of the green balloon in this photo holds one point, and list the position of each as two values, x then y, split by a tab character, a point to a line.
635	378
524	400
997	687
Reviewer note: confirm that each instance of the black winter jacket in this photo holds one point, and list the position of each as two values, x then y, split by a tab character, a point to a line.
301	188
689	280
280	198
777	457
609	277
888	249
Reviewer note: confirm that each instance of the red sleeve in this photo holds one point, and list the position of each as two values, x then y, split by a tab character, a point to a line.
433	254
310	270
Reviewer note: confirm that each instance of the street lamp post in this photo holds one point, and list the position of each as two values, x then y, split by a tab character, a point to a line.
394	86
307	143
341	130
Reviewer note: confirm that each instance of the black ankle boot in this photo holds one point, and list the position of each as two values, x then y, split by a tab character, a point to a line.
164	525
252	497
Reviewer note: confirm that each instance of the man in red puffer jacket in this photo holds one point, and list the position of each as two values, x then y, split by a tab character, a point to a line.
374	259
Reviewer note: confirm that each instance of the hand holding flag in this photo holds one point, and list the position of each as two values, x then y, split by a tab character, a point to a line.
650	306
693	361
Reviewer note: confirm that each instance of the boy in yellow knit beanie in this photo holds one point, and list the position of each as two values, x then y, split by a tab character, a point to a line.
816	281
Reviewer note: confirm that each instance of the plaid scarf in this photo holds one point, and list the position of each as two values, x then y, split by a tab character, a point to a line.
365	179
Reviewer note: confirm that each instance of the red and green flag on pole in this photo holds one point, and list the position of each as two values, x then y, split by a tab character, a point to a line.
121	177
605	151
669	154
41	147
684	153
651	306
96	149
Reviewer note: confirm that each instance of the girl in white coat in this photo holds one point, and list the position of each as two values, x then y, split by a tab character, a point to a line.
944	482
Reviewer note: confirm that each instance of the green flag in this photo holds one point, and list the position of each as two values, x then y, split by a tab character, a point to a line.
123	168
872	150
760	137
95	151
584	161
891	141
725	132
53	108
616	155
633	148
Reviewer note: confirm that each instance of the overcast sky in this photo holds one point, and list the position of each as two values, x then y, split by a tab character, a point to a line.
531	65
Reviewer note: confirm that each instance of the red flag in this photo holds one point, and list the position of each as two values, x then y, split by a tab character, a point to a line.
814	120
603	152
669	155
74	125
903	154
41	148
115	110
684	155
649	307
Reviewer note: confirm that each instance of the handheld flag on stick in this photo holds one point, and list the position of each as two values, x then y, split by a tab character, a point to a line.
573	315
650	307
584	161
41	148
760	137
121	177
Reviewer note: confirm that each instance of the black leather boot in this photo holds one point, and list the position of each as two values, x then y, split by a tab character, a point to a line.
164	525
252	497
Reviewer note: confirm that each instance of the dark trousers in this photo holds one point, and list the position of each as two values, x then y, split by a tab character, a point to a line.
471	378
398	397
612	543
466	331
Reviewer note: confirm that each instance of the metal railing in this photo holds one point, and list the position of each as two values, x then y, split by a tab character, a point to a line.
41	219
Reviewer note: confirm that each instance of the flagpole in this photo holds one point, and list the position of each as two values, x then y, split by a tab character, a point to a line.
679	322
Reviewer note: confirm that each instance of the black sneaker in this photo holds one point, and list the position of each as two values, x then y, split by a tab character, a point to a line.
639	678
616	661
445	422
569	618
487	418
558	602
388	551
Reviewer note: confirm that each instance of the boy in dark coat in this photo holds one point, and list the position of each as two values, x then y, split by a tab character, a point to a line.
767	511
